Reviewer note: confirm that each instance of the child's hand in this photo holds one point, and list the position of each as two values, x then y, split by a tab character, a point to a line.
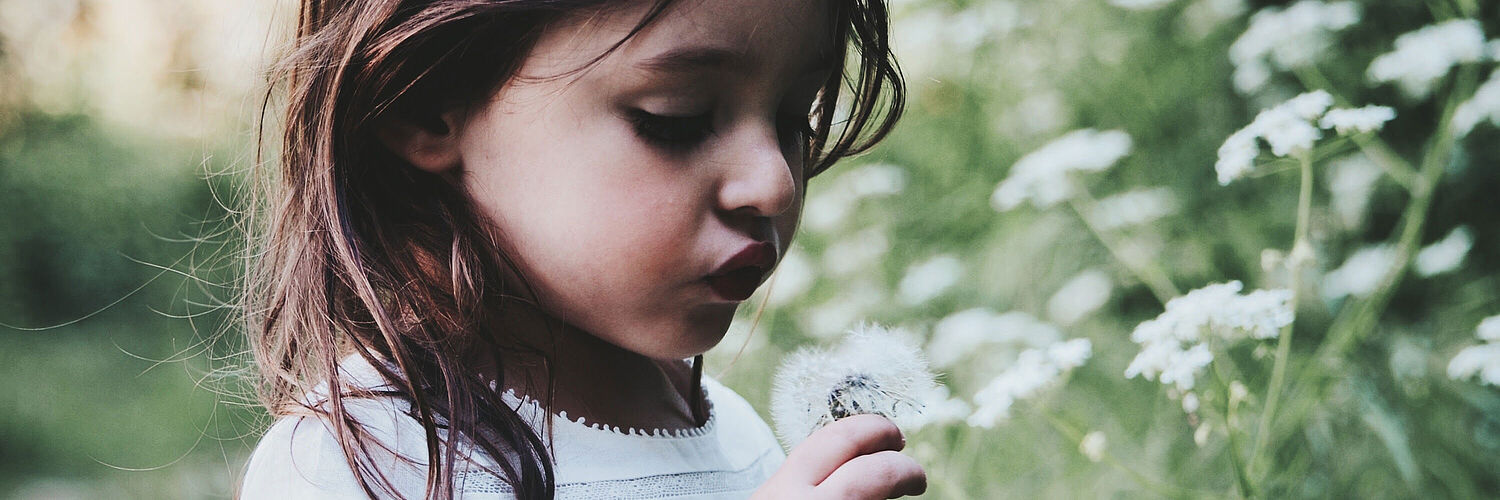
856	457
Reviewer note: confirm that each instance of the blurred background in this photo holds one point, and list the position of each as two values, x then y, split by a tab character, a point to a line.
126	126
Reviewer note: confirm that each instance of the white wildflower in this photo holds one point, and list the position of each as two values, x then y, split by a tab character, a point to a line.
1140	4
829	207
1080	296
1093	446
1483	106
1174	345
872	370
1489	329
857	253
1360	274
963	332
1203	16
1348	121
1424	56
1134	207
1351	181
794	276
929	279
1445	254
1288	128
939	408
1033	371
1190	402
1482	360
830	318
1041	177
1283	39
1202	433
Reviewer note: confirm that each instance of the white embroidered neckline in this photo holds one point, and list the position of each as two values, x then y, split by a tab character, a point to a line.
529	408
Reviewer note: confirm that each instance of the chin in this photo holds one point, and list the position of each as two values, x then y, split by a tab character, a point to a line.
697	335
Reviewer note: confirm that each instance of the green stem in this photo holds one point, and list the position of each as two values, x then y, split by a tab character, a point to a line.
1076	437
1241	469
1301	254
1152	276
1371	145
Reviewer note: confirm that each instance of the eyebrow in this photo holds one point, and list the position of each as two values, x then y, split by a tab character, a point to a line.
687	59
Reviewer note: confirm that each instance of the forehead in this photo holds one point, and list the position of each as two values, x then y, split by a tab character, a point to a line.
769	37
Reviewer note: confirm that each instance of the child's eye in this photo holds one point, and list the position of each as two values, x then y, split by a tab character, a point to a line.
673	132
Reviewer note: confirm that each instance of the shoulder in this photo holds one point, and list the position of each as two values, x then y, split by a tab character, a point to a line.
301	456
740	426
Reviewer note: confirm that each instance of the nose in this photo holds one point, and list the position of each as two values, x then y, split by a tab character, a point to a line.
758	179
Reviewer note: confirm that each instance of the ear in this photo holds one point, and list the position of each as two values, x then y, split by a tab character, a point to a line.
430	145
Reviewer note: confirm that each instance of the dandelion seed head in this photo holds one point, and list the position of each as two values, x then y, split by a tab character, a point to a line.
1446	254
872	370
1347	121
1424	56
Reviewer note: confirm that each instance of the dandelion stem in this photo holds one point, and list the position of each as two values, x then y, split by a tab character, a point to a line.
1151	275
1371	145
1301	254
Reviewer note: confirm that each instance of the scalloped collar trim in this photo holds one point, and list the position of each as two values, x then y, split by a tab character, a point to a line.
532	410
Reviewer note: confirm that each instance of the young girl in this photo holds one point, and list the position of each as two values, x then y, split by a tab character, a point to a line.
501	227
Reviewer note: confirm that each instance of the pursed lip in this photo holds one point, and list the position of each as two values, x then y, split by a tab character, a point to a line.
737	278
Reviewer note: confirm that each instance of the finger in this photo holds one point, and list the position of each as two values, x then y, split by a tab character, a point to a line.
885	474
828	448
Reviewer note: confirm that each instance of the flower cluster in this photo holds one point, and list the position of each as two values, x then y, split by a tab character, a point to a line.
1283	39
1485	105
1042	176
1446	254
1360	273
961	333
1292	127
872	370
1174	345
1426	55
1034	370
1482	360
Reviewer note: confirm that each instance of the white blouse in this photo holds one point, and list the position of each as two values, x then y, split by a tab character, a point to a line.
728	457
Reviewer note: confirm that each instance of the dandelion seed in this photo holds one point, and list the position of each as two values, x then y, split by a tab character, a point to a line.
1423	56
1041	177
1446	254
1079	297
1284	39
1174	345
1033	371
1135	207
1483	106
929	279
939	408
1357	120
1360	274
1093	446
872	370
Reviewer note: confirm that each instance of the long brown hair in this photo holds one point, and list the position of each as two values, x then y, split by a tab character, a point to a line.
354	251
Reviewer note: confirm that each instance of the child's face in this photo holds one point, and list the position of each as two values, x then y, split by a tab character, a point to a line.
647	197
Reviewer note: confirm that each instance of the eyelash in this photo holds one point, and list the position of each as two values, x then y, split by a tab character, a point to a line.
681	133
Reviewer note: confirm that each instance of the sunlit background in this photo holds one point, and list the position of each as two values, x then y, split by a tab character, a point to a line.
125	126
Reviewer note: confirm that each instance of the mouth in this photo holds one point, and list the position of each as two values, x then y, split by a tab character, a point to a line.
737	278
